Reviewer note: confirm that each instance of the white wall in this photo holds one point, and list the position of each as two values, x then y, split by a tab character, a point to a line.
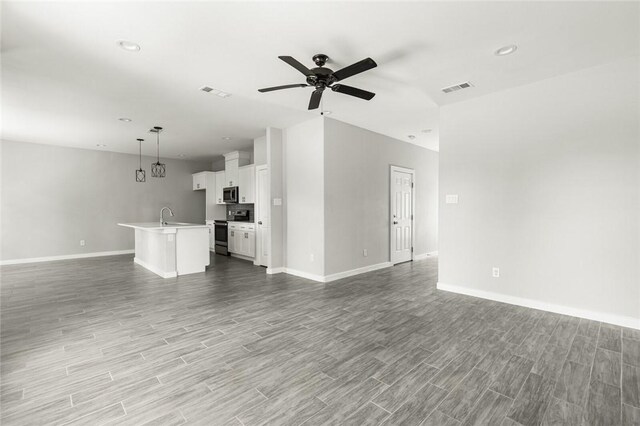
52	197
275	164
548	178
260	150
304	178
337	197
357	209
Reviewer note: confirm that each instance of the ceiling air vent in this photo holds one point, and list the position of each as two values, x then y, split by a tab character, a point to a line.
457	87
218	92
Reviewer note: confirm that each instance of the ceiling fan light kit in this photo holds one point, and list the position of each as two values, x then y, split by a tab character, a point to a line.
322	78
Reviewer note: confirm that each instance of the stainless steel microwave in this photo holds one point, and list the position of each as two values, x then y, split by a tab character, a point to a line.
230	195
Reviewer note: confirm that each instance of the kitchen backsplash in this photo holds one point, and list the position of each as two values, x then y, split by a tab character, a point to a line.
234	207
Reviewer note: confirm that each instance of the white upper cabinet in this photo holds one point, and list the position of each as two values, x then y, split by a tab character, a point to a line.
200	180
247	184
231	173
220	184
232	162
211	195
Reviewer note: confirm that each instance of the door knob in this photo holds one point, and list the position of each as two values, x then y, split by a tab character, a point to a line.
259	222
395	222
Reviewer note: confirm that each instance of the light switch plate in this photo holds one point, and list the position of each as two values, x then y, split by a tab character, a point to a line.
451	199
277	201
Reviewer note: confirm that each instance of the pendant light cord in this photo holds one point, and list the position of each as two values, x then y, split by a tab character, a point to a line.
158	144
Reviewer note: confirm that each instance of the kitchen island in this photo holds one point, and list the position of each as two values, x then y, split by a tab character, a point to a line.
171	249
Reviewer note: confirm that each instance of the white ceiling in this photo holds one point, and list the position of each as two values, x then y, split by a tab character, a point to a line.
66	82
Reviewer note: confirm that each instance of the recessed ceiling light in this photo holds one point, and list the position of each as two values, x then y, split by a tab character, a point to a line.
412	137
128	45
506	50
226	138
426	130
100	145
181	155
126	120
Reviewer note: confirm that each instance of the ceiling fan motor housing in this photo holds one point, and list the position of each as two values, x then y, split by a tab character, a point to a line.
322	77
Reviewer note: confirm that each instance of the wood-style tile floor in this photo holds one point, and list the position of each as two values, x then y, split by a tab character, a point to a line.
102	341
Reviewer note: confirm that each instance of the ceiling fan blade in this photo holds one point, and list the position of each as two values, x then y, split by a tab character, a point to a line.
353	91
297	65
314	102
353	69
286	86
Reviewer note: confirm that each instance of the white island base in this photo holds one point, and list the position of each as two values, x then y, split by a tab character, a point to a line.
171	250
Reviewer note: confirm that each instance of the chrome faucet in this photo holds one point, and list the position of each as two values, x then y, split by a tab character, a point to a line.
162	221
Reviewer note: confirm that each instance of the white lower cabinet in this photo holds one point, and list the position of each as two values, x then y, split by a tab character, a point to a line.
231	243
212	234
242	239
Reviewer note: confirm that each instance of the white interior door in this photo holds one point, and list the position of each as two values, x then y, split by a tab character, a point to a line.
262	216
401	214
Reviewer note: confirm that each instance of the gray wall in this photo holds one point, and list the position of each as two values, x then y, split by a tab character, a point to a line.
52	197
548	178
356	185
304	179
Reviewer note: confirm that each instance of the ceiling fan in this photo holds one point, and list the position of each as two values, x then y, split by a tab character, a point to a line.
322	78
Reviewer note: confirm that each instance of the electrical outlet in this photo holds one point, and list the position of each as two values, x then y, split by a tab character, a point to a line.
365	253
82	243
311	257
496	272
451	199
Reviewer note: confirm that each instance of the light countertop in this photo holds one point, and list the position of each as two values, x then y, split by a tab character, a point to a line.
158	225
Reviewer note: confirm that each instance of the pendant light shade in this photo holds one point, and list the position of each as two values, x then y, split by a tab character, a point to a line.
140	174
158	169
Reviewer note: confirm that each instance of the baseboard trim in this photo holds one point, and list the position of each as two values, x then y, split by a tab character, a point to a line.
357	271
302	274
279	270
425	255
155	270
336	276
65	257
241	257
620	320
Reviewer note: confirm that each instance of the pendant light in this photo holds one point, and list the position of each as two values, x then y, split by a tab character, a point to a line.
140	174
158	169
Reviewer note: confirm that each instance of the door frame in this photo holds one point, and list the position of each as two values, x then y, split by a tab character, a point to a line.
258	261
412	172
